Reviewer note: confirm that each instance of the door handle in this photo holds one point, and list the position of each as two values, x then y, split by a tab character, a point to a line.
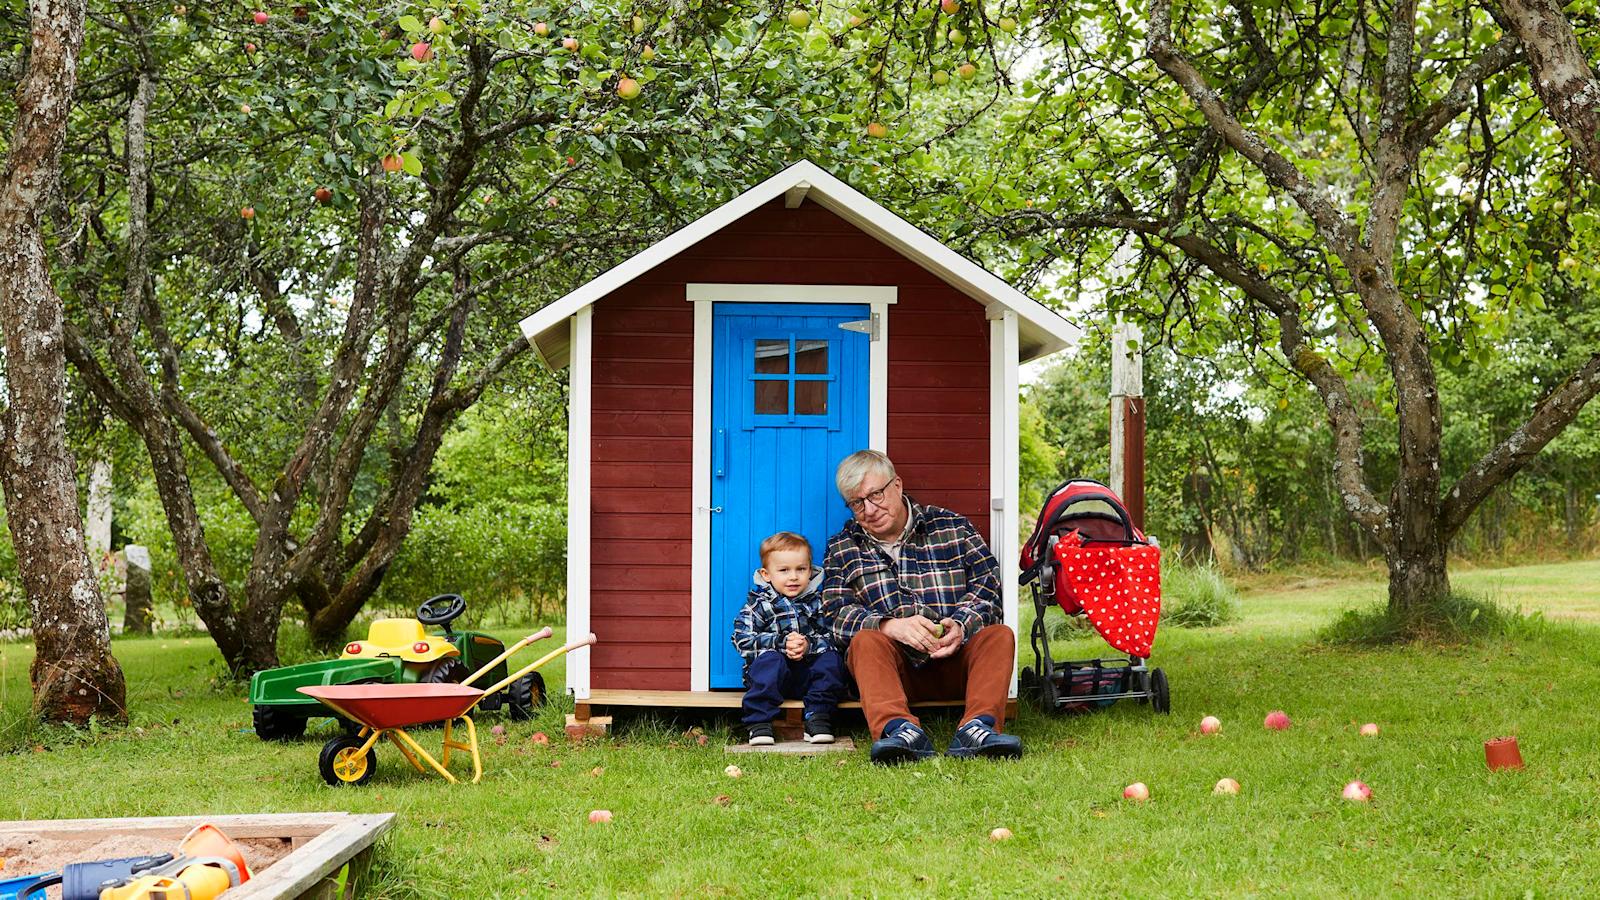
709	509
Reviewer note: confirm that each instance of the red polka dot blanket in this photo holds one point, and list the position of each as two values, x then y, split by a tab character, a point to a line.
1117	585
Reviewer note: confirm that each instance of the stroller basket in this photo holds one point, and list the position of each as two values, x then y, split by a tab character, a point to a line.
1087	557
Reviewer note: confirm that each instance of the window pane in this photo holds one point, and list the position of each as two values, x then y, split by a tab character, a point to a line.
811	357
772	357
811	398
772	397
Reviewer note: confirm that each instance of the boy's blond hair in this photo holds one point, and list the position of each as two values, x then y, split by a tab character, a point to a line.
784	540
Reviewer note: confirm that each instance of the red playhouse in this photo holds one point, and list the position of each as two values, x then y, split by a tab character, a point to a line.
719	376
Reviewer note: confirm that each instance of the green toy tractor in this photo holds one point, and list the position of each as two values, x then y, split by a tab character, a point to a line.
396	651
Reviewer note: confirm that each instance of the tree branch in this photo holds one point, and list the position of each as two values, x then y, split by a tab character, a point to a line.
1561	74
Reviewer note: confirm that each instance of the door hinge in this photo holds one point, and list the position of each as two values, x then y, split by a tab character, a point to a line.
867	326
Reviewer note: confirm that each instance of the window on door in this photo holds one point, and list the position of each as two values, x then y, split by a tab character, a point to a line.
791	380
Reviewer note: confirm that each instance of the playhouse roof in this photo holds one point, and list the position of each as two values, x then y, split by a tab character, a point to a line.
1041	331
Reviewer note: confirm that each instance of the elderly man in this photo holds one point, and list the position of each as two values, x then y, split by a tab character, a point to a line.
913	591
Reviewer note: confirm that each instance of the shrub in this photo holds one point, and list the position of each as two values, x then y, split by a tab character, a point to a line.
1197	596
1459	618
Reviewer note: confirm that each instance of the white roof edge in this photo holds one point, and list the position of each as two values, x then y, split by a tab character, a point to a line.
1042	328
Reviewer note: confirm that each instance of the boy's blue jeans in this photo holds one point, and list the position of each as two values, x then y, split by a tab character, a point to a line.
773	677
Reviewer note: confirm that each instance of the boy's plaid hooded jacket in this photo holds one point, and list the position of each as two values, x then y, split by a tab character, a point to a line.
768	617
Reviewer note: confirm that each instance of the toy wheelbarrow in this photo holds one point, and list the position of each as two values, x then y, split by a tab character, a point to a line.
387	710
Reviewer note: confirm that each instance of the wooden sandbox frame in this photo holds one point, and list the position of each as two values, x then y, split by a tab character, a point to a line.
322	845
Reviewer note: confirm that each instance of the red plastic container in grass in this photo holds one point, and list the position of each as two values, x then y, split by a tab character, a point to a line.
1502	753
379	706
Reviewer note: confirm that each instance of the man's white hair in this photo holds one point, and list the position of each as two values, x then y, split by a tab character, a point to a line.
855	468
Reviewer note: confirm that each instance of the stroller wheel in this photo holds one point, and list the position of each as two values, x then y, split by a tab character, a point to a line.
1160	694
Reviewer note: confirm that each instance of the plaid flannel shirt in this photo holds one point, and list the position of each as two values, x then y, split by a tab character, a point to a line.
767	618
945	571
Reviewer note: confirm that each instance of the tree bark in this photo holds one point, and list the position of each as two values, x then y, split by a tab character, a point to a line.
1418	578
75	677
1562	76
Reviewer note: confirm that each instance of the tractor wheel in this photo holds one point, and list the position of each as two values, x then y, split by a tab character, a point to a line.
274	723
445	671
1160	694
342	762
527	695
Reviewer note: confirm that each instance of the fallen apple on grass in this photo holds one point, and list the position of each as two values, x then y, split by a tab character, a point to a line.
498	730
1369	730
1137	792
1226	786
1000	834
539	737
1277	720
733	772
1358	792
599	816
1210	725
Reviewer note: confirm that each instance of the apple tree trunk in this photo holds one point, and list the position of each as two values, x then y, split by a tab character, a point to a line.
74	675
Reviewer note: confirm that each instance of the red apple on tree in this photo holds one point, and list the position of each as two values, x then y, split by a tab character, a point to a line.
421	51
571	43
957	37
436	25
393	163
950	6
966	71
262	17
542	29
247	213
877	130
249	47
572	160
323	195
244	108
627	88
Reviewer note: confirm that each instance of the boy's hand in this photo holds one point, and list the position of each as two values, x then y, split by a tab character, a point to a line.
795	645
950	642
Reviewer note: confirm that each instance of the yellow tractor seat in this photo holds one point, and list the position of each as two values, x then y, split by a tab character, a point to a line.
404	638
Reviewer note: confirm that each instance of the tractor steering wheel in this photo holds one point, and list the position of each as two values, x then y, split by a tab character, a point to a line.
441	610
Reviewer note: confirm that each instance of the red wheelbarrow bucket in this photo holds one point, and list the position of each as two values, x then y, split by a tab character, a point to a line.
380	706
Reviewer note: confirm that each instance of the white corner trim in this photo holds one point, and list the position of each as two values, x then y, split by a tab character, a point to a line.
793	197
878	380
700	497
1005	466
697	292
580	431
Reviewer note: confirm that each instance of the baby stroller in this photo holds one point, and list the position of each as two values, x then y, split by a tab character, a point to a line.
1086	556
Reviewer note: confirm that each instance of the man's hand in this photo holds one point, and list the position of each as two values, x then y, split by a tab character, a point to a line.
795	645
915	632
951	642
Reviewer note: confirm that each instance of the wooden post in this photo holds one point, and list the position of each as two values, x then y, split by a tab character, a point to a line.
1127	416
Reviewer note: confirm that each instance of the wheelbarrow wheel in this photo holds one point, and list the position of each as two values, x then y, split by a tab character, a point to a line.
342	762
275	724
527	695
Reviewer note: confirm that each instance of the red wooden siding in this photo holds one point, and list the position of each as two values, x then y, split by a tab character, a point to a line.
644	406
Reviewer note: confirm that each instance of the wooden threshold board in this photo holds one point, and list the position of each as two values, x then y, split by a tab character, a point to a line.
706	700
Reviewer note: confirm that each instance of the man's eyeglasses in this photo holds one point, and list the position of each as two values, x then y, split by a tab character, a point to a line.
875	498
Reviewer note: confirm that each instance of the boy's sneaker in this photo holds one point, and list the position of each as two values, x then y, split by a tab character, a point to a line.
819	730
761	734
901	742
978	738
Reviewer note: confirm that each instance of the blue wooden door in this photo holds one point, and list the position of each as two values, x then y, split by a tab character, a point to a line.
789	399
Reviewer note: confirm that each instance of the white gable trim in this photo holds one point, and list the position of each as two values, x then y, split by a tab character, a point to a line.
580	431
1040	330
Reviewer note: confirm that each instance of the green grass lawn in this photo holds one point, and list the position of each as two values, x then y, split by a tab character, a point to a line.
1439	824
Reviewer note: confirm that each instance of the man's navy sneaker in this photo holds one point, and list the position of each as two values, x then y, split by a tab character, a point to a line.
902	741
978	738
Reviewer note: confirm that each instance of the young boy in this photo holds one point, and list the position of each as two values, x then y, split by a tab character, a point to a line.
784	640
